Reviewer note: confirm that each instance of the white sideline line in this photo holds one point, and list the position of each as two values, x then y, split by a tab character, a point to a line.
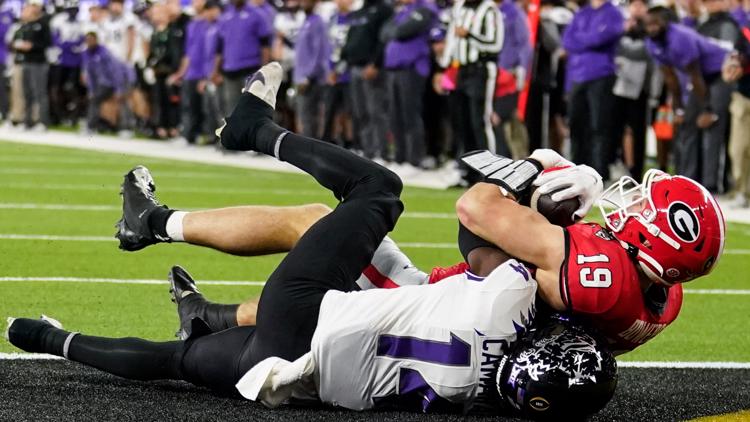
88	207
128	281
116	188
262	283
621	364
684	365
406	245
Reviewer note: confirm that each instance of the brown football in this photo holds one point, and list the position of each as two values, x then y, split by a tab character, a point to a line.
557	213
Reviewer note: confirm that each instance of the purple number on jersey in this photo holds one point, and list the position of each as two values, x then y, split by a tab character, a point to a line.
414	392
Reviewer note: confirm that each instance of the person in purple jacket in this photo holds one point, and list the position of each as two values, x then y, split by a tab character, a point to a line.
337	126
311	54
6	20
103	76
406	36
193	71
681	50
515	58
66	93
243	46
591	42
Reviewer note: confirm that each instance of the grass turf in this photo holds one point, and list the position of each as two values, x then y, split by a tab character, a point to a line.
710	328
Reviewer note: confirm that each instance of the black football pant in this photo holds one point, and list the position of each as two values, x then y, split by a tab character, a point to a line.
330	256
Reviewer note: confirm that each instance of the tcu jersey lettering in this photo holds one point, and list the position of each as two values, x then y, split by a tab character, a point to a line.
425	347
599	280
432	347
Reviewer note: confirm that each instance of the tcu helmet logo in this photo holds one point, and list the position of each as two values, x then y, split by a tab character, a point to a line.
683	222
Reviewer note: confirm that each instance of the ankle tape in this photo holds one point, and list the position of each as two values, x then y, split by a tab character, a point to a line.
66	345
277	144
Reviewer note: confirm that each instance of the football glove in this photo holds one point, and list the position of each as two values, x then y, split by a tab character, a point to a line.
550	158
515	176
577	181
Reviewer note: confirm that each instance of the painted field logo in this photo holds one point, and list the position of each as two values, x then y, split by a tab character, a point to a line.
539	404
683	222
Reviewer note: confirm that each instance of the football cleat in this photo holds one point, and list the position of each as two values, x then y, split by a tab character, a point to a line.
138	202
180	282
255	108
10	321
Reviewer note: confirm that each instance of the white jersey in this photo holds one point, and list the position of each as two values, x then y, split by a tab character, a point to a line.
116	35
428	347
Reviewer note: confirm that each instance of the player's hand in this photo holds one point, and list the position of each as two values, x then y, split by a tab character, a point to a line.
461	32
550	158
706	119
578	181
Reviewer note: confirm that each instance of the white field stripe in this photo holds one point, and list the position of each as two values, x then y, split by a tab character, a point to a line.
116	188
684	365
128	281
261	283
85	207
118	174
621	364
405	245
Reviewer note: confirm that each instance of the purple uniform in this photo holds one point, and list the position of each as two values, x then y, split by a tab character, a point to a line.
311	52
242	34
683	46
338	27
591	41
516	44
102	70
412	52
195	49
741	16
6	20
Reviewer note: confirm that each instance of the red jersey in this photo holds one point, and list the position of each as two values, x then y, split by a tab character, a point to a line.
599	280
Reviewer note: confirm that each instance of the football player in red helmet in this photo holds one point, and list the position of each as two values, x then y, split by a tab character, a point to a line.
624	278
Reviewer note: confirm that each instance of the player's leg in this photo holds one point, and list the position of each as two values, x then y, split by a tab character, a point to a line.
244	231
336	249
215	360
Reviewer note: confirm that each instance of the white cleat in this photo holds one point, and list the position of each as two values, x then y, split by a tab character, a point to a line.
7	328
51	321
265	83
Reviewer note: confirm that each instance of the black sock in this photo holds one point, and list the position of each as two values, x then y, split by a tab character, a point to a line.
218	316
243	125
128	357
36	336
157	221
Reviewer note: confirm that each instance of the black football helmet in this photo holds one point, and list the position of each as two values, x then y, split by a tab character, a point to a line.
557	370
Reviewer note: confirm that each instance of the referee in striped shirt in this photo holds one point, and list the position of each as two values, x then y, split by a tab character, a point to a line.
473	42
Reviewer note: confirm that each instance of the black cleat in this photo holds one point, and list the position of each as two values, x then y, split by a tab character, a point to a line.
138	203
254	109
180	282
33	335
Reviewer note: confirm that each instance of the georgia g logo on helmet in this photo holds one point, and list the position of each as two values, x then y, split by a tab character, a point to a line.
683	222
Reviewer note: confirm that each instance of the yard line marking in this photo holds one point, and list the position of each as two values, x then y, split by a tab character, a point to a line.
406	245
119	173
621	364
87	207
259	283
716	292
129	281
116	188
684	365
57	207
28	356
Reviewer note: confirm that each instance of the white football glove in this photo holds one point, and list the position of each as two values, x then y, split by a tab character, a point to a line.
578	181
550	158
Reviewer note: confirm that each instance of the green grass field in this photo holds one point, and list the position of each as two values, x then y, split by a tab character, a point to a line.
712	327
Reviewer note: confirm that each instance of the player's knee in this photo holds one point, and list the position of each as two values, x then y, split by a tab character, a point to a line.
389	182
319	210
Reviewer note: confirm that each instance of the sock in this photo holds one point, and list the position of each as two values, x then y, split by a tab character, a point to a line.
36	336
157	221
173	227
218	316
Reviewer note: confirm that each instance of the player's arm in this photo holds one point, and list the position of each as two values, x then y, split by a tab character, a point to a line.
519	231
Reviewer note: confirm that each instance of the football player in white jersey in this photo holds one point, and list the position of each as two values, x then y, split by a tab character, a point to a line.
430	347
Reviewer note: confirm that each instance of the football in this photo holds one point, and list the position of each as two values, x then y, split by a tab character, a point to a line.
557	213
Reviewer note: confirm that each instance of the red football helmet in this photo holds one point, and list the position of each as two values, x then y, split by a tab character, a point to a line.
673	221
